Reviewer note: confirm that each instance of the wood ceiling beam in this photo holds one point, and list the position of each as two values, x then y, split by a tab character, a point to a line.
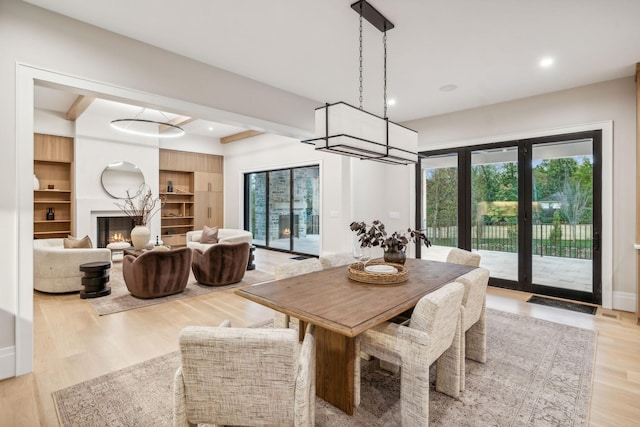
238	136
78	107
176	121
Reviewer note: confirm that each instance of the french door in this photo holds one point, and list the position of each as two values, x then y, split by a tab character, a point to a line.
531	208
282	209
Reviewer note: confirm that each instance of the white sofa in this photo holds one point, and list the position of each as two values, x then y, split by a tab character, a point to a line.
57	270
225	235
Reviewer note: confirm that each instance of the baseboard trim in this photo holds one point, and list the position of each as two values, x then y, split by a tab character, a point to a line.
624	301
7	362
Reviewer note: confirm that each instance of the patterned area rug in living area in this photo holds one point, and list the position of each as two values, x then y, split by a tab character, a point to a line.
538	373
121	300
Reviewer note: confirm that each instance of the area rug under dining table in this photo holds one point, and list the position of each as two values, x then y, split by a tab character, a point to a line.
538	373
121	300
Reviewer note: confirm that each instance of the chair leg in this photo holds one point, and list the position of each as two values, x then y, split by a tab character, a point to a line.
414	395
476	340
179	402
448	375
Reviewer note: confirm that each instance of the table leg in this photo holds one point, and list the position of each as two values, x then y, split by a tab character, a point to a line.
335	368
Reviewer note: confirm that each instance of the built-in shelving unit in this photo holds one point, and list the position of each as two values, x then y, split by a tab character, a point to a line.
53	167
196	196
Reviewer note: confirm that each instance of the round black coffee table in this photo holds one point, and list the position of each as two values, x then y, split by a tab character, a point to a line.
95	279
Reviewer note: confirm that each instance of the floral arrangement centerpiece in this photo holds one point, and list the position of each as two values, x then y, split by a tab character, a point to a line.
141	207
394	245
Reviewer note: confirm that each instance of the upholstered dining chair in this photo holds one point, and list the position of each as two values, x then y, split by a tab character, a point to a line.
292	269
433	334
157	273
221	264
245	376
460	256
473	339
336	260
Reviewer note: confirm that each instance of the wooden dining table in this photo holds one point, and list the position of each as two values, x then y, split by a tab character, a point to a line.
341	309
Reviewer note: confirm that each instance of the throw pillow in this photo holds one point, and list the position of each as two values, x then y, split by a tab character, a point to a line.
209	235
75	243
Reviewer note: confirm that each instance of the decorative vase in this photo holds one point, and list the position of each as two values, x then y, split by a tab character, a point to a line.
36	183
140	236
395	255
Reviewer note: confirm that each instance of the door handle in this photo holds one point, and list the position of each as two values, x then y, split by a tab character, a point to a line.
596	241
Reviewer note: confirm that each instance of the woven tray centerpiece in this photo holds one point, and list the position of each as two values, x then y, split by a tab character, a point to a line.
357	273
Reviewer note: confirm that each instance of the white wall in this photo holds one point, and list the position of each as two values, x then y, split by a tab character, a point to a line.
549	114
97	144
351	189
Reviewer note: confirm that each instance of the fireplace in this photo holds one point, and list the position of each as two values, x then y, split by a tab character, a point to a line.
114	229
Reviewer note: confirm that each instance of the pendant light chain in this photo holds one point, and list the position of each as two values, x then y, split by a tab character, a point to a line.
384	42
361	56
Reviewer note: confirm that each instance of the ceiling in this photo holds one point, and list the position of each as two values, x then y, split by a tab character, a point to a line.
488	50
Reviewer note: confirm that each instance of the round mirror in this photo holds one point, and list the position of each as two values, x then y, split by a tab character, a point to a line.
120	177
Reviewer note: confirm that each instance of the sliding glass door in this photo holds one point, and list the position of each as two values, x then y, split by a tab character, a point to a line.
282	209
531	208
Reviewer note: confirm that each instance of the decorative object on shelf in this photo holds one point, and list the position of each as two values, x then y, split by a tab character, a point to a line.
394	246
350	131
50	214
51	186
141	207
170	187
143	124
359	274
36	182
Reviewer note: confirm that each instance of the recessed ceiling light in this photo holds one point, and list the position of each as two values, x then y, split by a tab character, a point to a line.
210	128
448	88
546	62
391	102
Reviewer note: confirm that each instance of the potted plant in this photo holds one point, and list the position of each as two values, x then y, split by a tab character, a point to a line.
394	245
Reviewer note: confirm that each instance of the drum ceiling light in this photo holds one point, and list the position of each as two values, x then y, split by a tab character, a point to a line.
147	127
344	129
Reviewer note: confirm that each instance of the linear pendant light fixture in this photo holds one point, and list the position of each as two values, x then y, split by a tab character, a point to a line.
344	129
146	127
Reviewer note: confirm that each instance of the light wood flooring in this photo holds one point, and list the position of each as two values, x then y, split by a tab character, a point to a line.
73	344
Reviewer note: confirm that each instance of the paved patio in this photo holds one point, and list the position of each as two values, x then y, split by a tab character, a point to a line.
565	273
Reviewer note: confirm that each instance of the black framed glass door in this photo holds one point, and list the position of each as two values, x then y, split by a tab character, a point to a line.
282	209
531	208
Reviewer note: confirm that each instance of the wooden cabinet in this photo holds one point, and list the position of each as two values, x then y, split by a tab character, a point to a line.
209	199
197	196
53	166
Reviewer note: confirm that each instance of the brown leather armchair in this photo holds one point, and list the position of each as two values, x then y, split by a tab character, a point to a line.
157	273
221	264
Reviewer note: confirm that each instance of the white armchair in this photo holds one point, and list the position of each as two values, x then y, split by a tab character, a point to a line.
57	270
432	334
225	235
245	376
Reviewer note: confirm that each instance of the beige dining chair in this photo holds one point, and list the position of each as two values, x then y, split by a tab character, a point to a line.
473	339
245	376
336	260
460	256
292	269
433	334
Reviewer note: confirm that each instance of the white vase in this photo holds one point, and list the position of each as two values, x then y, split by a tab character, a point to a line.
36	183
140	236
